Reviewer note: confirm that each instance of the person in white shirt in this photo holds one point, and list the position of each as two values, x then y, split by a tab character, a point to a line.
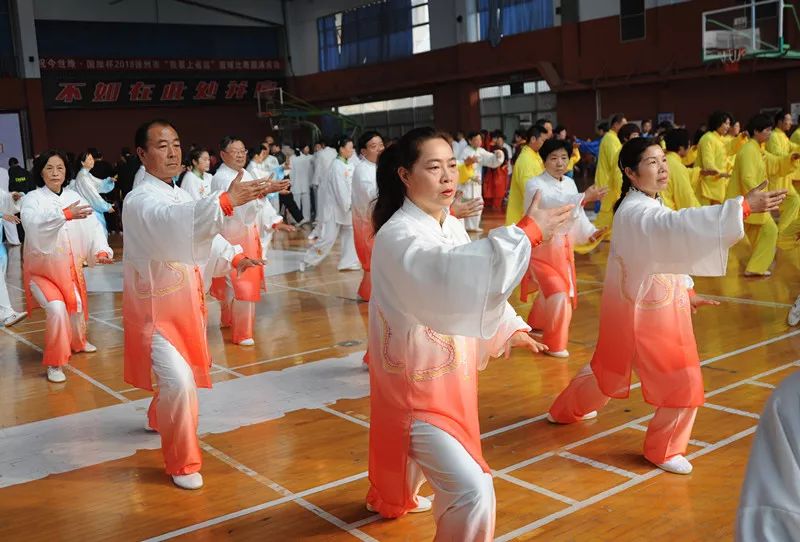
9	228
335	218
480	158
168	236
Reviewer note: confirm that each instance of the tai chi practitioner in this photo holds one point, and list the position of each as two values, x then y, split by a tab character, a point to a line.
334	215
552	264
645	313
60	237
431	327
239	292
90	187
9	208
196	180
607	172
365	192
480	158
168	235
752	167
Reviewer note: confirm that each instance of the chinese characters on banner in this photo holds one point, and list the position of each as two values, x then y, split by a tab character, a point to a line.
150	64
97	82
76	93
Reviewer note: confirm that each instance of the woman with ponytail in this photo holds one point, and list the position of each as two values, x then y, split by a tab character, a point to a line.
438	310
645	313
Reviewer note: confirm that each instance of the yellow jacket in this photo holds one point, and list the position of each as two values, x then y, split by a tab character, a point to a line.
780	145
690	157
574	159
712	154
528	165
753	166
679	193
796	136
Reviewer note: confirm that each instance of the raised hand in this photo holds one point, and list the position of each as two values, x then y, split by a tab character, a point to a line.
464	209
521	339
598	234
762	201
241	192
78	211
548	220
594	193
282	226
246	263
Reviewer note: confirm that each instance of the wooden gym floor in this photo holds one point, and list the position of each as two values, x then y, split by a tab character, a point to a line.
285	430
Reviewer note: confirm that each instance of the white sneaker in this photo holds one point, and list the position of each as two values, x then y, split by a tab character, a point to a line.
56	374
676	465
423	505
589	416
794	313
559	354
247	342
89	348
15	318
188	481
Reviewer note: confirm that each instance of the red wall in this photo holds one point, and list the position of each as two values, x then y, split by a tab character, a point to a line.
661	73
111	129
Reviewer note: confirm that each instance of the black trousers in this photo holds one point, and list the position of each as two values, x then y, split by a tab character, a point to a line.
288	203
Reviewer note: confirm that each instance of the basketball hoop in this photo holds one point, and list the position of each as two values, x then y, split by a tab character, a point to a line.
731	58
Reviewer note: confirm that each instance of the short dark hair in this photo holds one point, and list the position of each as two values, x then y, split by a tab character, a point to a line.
41	161
12	162
472	134
227	140
615	118
758	123
603	126
552	145
366	137
628	130
140	137
676	138
717	119
534	132
779	116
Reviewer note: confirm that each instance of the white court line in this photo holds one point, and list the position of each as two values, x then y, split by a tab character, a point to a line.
287	496
614	490
526	462
70	368
314	292
287	356
537	489
761	384
31	331
597	464
732	410
745	301
693	442
342	415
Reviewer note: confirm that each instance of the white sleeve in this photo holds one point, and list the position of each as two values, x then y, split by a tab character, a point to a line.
692	241
470	283
42	226
182	233
488	159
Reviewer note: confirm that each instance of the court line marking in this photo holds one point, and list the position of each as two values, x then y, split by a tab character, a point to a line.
68	367
761	384
537	489
615	490
553	517
597	464
693	442
344	416
730	410
286	497
708	449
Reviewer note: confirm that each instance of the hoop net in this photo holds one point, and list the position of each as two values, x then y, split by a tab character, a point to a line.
731	58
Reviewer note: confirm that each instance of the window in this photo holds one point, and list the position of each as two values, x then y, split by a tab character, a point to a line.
377	32
421	29
392	118
510	17
411	102
631	20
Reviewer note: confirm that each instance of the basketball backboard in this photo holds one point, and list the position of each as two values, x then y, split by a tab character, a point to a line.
752	29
